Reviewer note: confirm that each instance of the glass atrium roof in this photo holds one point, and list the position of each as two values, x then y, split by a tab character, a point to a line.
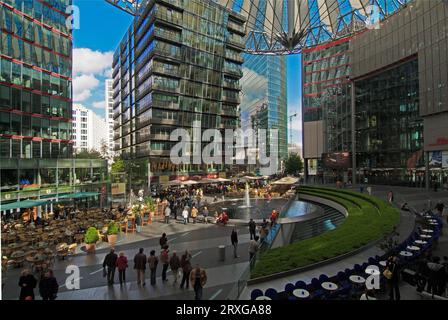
287	26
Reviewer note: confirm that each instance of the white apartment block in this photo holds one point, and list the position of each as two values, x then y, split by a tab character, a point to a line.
89	129
109	92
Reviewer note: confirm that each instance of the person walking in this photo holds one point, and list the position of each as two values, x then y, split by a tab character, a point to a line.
110	262
165	260
163	241
185	215
140	266
263	233
175	265
234	240
205	214
27	283
252	228
185	263
253	248
198	279
394	278
167	214
390	196
122	264
153	261
439	207
194	214
48	286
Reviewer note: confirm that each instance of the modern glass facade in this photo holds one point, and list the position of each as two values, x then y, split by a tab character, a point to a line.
264	104
179	65
36	149
389	129
327	102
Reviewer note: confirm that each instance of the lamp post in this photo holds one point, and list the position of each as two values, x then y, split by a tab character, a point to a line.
290	126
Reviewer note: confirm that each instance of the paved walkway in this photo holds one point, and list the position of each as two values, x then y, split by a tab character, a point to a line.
202	240
416	198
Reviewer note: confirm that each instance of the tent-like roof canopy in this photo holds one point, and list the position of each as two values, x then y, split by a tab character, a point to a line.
287	26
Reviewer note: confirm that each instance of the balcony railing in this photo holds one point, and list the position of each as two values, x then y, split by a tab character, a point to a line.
236	27
235	99
236	41
233	71
234	57
231	85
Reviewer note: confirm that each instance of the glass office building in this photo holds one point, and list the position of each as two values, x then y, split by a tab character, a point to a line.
35	102
264	104
326	107
178	66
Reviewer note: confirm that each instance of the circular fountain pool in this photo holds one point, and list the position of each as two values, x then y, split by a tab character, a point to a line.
260	208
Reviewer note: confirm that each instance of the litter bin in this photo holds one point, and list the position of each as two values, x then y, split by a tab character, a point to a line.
222	253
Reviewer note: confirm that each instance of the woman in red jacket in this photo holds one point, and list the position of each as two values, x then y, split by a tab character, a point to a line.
122	264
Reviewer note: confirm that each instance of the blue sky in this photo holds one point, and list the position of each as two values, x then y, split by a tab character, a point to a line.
102	26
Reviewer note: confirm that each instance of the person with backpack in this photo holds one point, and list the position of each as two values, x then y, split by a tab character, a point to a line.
185	263
122	264
140	266
198	279
163	241
165	260
152	263
48	286
175	265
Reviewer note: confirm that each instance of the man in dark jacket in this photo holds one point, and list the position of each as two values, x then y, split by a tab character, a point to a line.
163	241
48	286
140	266
252	228
394	267
110	261
234	239
175	265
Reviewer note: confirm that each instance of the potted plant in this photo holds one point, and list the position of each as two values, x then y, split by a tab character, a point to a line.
91	238
151	205
112	232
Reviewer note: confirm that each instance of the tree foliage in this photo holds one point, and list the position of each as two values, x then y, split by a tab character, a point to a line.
293	164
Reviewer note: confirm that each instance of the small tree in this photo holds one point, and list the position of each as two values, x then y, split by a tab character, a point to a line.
118	166
104	150
293	164
88	154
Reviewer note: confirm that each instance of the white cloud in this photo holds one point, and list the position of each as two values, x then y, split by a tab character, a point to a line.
99	105
83	86
108	73
87	61
254	87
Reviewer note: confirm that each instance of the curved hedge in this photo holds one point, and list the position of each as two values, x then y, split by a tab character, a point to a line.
369	219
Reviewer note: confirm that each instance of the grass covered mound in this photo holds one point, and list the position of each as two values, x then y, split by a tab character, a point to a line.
369	219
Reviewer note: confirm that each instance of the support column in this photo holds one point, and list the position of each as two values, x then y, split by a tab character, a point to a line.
353	119
427	180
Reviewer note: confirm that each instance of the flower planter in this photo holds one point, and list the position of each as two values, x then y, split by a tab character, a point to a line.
90	247
112	239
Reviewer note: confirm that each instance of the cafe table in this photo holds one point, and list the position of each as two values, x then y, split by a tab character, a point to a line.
405	253
330	286
420	242
357	279
301	293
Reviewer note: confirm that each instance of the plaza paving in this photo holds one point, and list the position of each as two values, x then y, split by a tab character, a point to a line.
203	240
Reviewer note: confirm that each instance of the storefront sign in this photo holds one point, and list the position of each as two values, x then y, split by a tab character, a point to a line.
118	188
435	159
164	179
445	159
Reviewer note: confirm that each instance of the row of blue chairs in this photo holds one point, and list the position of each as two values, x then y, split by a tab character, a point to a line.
346	288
